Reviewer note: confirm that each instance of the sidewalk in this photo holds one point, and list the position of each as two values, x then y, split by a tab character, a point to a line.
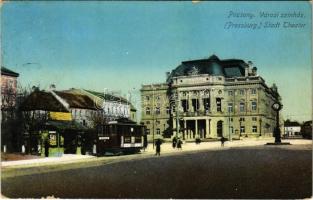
166	149
65	158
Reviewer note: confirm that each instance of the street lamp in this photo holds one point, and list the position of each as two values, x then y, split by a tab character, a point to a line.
277	106
240	127
260	120
229	131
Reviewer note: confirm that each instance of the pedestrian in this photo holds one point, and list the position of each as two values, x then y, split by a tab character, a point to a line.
47	147
179	144
83	146
158	143
174	142
145	143
198	140
223	141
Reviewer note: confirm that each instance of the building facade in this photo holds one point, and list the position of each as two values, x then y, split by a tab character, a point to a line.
210	98
8	88
9	121
292	128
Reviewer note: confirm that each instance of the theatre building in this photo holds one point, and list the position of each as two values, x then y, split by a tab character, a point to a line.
210	98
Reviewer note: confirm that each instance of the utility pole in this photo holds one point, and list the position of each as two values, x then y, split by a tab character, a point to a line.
260	120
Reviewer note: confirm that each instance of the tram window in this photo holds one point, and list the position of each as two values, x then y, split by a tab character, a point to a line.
136	131
127	139
106	130
138	139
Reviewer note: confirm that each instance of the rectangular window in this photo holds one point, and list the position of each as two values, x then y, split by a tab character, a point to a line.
241	92
253	91
157	111
184	104
206	103
230	93
242	107
230	107
218	105
254	118
195	104
242	129
253	105
147	98
148	131
242	119
157	122
127	139
137	139
254	129
167	110
158	132
148	112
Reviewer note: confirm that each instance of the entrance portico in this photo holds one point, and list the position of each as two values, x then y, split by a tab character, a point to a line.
195	128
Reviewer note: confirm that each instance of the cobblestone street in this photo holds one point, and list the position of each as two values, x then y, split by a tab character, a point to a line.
260	171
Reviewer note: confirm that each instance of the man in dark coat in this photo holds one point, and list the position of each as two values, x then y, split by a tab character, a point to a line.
158	147
179	143
174	142
223	141
46	147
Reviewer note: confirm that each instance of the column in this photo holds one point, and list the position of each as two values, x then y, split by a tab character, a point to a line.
185	129
210	129
207	128
212	103
190	104
196	128
201	108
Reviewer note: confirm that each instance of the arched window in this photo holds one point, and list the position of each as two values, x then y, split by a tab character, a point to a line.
219	128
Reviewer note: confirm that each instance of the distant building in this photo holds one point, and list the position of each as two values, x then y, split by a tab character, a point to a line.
8	88
292	128
9	131
210	98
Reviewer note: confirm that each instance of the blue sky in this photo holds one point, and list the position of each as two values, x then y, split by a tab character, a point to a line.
121	45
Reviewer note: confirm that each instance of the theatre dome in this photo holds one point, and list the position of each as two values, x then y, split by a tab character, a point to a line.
212	66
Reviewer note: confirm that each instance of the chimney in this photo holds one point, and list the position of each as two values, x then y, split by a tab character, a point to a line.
254	71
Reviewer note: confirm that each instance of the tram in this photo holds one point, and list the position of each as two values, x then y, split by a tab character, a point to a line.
120	137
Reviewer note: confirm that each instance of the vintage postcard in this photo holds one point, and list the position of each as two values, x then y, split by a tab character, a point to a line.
156	99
